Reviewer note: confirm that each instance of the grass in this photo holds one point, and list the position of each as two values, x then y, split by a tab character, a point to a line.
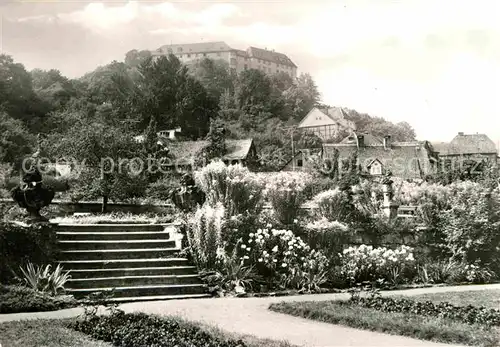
487	298
420	327
47	333
122	218
54	333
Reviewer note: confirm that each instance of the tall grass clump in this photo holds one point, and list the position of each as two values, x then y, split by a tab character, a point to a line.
286	194
204	234
234	186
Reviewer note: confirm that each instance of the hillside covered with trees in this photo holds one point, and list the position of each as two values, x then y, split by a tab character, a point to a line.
128	97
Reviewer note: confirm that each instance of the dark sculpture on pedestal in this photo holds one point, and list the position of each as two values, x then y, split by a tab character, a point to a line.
31	194
188	196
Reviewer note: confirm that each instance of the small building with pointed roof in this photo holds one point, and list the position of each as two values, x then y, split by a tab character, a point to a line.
376	156
326	123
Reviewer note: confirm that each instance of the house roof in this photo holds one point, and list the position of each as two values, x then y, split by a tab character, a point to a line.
185	151
404	159
336	114
467	144
368	139
199	47
275	57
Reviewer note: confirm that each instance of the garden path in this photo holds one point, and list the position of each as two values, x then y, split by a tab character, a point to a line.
251	316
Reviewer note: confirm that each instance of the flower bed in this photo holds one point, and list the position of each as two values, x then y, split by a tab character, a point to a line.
139	329
465	314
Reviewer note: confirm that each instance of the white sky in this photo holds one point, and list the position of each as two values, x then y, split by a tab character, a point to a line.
434	64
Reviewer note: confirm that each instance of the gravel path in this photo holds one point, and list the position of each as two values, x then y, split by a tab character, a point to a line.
251	316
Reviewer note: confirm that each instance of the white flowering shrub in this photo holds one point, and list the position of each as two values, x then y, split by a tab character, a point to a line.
285	193
204	234
366	263
285	259
234	186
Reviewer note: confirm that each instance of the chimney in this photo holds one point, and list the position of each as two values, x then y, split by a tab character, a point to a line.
460	134
361	141
387	141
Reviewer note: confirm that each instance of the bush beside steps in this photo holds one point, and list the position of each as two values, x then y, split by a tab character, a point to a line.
16	299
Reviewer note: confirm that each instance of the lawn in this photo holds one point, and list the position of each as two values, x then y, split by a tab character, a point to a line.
429	328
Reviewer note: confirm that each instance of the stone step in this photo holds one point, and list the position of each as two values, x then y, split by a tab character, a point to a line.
110	264
129	281
143	290
114	244
114	227
113	235
160	297
141	271
139	253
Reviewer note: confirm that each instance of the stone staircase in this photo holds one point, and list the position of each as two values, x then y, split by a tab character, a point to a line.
137	261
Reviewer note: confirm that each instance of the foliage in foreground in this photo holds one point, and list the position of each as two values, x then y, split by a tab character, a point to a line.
41	332
14	299
407	324
20	244
138	329
42	279
465	314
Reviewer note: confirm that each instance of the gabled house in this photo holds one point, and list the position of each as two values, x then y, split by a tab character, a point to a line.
376	156
477	147
326	123
301	161
183	153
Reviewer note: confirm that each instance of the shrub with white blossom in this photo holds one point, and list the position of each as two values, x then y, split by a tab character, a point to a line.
366	263
282	257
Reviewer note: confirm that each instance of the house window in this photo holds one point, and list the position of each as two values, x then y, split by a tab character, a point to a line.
179	49
300	163
204	54
189	55
376	168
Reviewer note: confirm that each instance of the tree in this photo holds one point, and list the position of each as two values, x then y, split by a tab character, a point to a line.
167	92
380	127
214	75
15	140
17	97
216	148
108	161
52	88
302	96
134	58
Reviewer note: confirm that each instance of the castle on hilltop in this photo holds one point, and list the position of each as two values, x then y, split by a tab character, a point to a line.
265	60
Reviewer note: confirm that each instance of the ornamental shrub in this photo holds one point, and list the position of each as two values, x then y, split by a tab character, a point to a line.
234	186
285	193
14	299
366	263
204	235
21	244
328	236
284	259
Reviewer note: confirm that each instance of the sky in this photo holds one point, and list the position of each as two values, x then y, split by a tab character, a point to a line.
432	63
